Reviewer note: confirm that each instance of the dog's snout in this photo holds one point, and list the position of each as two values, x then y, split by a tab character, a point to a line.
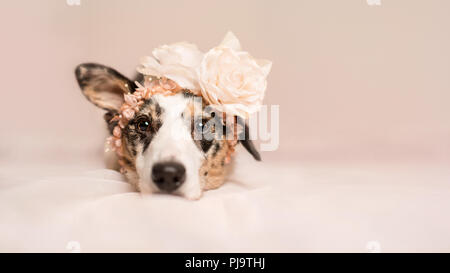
168	176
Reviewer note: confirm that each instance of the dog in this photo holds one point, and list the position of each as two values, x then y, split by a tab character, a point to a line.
155	160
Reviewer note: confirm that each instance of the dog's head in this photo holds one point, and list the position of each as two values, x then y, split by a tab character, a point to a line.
167	146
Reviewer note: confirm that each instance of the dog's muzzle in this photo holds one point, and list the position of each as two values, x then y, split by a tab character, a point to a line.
168	176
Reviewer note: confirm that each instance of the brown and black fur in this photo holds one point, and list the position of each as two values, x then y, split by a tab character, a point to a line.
99	82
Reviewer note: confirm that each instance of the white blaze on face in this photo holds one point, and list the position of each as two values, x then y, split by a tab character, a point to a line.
172	142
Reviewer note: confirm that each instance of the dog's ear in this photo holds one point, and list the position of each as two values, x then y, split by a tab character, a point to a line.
103	86
244	139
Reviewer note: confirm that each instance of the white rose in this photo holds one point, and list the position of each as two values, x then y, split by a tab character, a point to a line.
231	79
177	62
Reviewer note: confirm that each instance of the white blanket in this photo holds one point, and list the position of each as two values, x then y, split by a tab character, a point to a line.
273	206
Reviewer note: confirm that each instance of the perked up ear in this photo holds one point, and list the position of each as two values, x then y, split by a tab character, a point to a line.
102	85
244	138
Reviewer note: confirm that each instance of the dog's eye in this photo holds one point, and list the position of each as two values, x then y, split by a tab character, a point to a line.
201	126
143	124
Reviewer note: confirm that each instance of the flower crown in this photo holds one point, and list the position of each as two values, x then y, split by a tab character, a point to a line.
226	77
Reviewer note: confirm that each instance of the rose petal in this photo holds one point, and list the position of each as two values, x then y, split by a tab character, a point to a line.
118	142
265	65
185	54
232	78
230	40
117	132
122	123
128	113
130	99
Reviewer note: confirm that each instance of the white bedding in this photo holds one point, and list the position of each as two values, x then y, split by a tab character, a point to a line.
274	206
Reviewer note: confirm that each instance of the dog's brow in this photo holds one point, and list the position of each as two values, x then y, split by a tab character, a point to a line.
152	108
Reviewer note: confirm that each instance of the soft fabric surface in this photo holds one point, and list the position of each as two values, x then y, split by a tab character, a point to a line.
275	206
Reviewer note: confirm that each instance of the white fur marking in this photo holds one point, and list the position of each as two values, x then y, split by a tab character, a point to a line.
172	142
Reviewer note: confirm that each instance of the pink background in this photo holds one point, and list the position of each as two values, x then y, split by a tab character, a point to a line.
364	95
353	81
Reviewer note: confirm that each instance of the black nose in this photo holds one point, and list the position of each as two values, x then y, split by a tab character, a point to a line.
168	176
